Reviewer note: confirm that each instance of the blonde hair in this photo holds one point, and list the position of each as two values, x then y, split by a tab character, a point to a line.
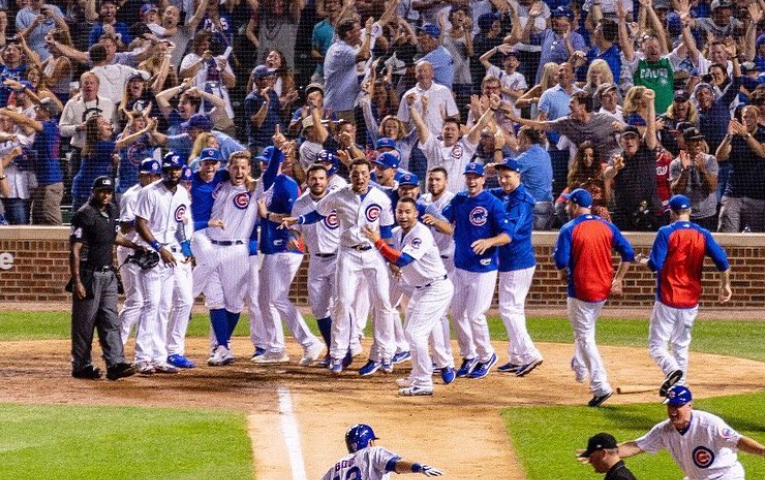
693	116
600	66
633	101
401	129
549	72
200	144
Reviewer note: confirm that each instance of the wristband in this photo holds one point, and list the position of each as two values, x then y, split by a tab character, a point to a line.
379	243
416	468
156	245
301	220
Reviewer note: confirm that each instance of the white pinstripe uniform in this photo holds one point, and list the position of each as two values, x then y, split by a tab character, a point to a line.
357	258
183	299
131	308
165	212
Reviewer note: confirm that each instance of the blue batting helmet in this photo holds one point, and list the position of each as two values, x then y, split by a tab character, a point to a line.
172	160
358	437
150	166
186	174
327	156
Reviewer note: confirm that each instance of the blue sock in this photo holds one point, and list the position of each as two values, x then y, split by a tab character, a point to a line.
220	325
325	327
233	319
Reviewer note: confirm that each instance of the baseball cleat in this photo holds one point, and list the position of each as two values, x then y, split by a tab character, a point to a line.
272	357
258	352
483	369
508	368
165	368
144	368
598	400
88	373
401	357
436	369
221	357
580	372
120	370
348	359
370	368
387	366
526	369
324	363
179	361
336	366
311	354
415	391
468	365
404	382
448	375
670	381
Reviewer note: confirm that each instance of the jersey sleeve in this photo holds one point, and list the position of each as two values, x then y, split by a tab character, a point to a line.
128	210
449	211
658	251
383	460
499	219
526	212
716	253
653	441
145	204
386	215
622	245
79	223
418	244
562	251
724	435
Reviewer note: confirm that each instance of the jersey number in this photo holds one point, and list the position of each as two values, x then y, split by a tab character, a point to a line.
352	474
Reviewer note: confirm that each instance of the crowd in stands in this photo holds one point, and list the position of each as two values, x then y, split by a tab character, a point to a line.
632	100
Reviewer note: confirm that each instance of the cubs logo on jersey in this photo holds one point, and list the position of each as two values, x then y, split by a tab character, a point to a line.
372	212
703	457
330	221
180	212
457	151
479	216
416	243
242	200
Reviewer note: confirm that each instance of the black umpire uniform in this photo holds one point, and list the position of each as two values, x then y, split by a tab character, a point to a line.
94	284
603	454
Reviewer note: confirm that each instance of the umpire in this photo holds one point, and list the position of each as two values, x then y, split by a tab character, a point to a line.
603	454
94	284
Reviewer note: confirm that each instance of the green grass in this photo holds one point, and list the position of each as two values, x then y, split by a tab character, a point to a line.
735	338
546	438
65	442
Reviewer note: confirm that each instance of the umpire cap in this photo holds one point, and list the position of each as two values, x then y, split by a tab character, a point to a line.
597	442
150	166
358	437
103	183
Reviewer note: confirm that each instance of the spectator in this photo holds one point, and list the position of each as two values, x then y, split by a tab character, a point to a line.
536	175
161	72
281	31
513	84
379	102
743	203
489	36
439	58
13	66
694	174
586	172
322	37
16	199
110	26
490	86
262	110
393	134
210	74
534	16
57	68
136	99
314	99
112	78
720	24
604	36
196	125
284	81
342	84
35	21
598	74
178	34
532	96
132	154
79	109
559	43
3	30
113	57
681	111
608	95
458	41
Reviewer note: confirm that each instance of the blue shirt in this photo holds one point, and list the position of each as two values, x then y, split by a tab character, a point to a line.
46	146
100	163
612	56
555	103
554	48
284	193
519	253
182	144
120	29
261	136
202	197
475	218
342	83
443	65
6	73
130	159
536	173
321	40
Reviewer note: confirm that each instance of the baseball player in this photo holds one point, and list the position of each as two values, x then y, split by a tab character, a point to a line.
703	445
369	462
280	265
583	256
187	178
678	256
148	172
161	214
516	268
479	223
358	205
416	258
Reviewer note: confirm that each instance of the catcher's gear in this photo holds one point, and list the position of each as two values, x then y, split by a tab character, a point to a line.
145	259
358	437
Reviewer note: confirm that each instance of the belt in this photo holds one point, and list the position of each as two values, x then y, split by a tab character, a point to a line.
227	243
445	257
361	248
324	255
104	269
432	282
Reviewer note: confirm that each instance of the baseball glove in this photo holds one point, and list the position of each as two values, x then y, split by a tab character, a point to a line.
145	259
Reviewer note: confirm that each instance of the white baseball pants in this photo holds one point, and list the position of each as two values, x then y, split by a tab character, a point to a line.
181	309
254	309
360	313
204	258
321	285
440	337
423	315
351	266
671	326
473	292
131	307
582	316
156	286
400	296
276	275
513	288
227	280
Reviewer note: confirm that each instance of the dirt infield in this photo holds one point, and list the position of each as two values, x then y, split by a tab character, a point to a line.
458	429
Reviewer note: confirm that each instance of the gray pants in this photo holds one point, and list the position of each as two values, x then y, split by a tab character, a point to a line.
740	212
97	312
543	215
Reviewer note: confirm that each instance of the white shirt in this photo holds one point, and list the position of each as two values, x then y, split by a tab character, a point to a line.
707	450
77	112
444	242
510	81
113	78
355	212
20	182
440	100
238	208
128	203
319	237
617	115
168	213
453	159
201	79
368	464
419	244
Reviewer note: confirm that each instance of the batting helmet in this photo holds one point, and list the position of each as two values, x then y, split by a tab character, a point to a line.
186	174
358	437
150	166
172	160
326	156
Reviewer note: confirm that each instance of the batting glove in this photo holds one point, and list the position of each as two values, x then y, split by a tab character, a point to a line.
430	471
186	249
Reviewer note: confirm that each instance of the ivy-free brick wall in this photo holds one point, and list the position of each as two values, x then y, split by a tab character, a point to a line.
40	270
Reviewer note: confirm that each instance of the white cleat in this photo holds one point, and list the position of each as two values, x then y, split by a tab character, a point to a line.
272	358
311	354
222	356
404	382
415	391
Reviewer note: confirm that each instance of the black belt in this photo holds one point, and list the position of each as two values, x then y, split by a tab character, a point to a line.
361	248
324	255
431	283
105	269
445	257
227	243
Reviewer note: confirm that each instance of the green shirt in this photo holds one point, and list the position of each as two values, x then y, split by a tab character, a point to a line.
659	77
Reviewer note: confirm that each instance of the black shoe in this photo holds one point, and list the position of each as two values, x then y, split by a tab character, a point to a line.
120	370
598	401
670	382
88	373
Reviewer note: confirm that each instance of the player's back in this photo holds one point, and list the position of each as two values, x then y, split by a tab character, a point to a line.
371	463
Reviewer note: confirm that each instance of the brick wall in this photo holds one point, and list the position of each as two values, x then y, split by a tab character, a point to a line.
39	270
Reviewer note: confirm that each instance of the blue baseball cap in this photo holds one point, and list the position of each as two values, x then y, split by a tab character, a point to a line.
678	396
262	71
385	142
328	157
473	168
580	197
198	120
186	174
563	12
409	179
430	29
388	160
509	164
679	202
261	159
210	154
150	166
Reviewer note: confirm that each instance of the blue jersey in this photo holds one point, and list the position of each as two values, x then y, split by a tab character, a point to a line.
203	197
519	253
475	218
99	163
282	197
